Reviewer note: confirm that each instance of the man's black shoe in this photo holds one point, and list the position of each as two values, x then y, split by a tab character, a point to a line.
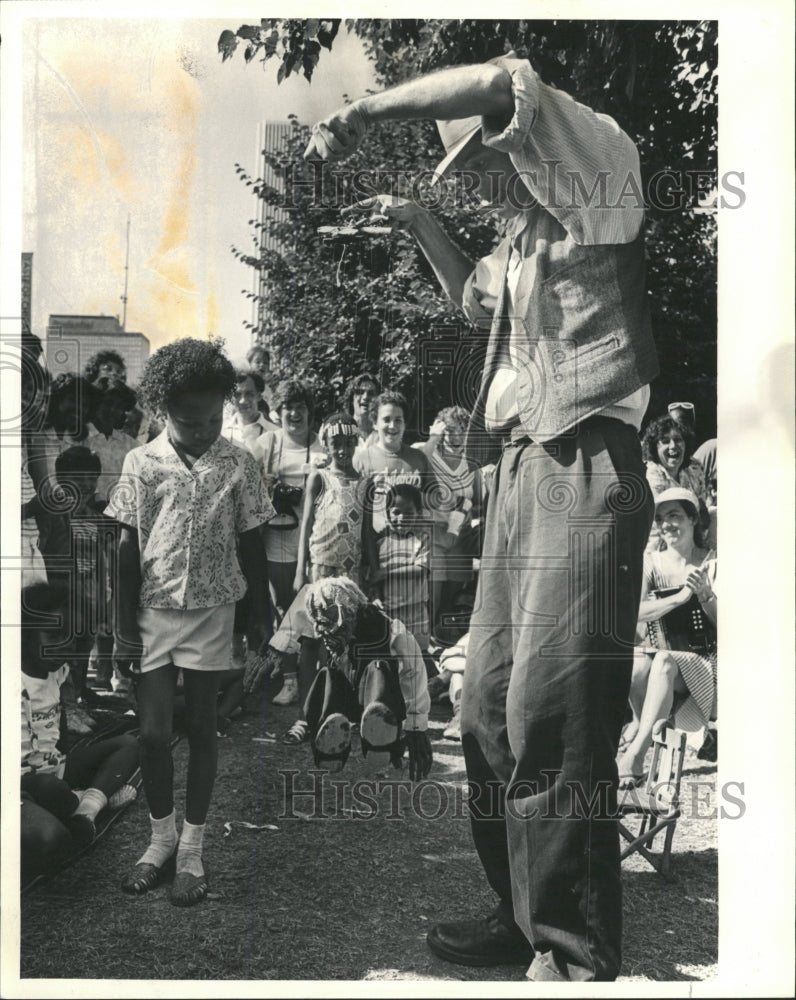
480	942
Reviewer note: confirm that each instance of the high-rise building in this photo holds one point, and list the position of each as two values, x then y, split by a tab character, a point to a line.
271	140
71	340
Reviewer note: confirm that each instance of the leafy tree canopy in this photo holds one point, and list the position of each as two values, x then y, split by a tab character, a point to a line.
336	305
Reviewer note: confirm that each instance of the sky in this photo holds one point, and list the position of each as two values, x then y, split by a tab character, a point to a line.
141	117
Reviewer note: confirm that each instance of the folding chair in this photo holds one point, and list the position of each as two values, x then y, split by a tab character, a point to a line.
658	802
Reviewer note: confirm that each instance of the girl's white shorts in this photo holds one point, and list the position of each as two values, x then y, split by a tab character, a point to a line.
194	639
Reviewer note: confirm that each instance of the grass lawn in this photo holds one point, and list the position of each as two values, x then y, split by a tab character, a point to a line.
332	894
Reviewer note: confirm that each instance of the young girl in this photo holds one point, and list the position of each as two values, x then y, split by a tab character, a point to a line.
191	505
387	461
331	526
331	535
404	553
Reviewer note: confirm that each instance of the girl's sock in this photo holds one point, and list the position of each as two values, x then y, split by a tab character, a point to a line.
189	853
164	840
92	802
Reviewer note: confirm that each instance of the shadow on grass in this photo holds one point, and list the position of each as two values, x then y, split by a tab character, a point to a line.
326	893
669	925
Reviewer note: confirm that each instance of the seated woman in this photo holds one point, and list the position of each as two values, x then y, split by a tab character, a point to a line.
684	675
55	821
375	676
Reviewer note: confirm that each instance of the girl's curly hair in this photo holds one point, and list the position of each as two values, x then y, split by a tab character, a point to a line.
187	365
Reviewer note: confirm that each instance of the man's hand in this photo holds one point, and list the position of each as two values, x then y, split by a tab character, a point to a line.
420	755
401	212
127	652
337	136
257	668
258	637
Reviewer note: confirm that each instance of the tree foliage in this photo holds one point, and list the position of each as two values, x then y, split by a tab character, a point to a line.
341	304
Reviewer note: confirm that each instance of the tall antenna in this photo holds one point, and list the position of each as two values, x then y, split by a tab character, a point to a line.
126	273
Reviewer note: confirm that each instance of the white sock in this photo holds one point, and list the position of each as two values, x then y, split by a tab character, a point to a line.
189	853
92	801
455	690
164	840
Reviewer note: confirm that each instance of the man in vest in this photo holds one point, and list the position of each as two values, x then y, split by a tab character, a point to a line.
564	390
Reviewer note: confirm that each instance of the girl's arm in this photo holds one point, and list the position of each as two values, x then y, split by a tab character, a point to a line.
254	565
370	543
127	588
311	494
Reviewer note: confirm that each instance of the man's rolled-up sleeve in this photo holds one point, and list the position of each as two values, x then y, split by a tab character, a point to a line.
577	164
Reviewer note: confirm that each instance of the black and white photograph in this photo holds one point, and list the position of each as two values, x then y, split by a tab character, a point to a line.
364	381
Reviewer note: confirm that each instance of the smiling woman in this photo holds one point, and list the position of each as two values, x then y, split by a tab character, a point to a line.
675	670
667	446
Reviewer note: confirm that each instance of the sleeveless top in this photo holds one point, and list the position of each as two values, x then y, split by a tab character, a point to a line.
336	539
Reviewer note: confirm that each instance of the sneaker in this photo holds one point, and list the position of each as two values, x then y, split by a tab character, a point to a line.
289	694
122	796
298	733
454	730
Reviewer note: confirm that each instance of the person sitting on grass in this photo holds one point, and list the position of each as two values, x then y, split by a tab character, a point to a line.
404	551
191	506
55	820
374	675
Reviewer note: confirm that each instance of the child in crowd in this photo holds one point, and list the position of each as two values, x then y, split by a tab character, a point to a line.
375	676
34	393
104	434
71	398
77	544
191	506
389	460
331	525
55	820
404	551
331	535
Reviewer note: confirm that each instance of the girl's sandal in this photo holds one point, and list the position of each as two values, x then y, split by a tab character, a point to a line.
146	876
188	889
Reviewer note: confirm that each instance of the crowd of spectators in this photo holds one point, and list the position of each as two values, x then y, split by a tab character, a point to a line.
364	541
